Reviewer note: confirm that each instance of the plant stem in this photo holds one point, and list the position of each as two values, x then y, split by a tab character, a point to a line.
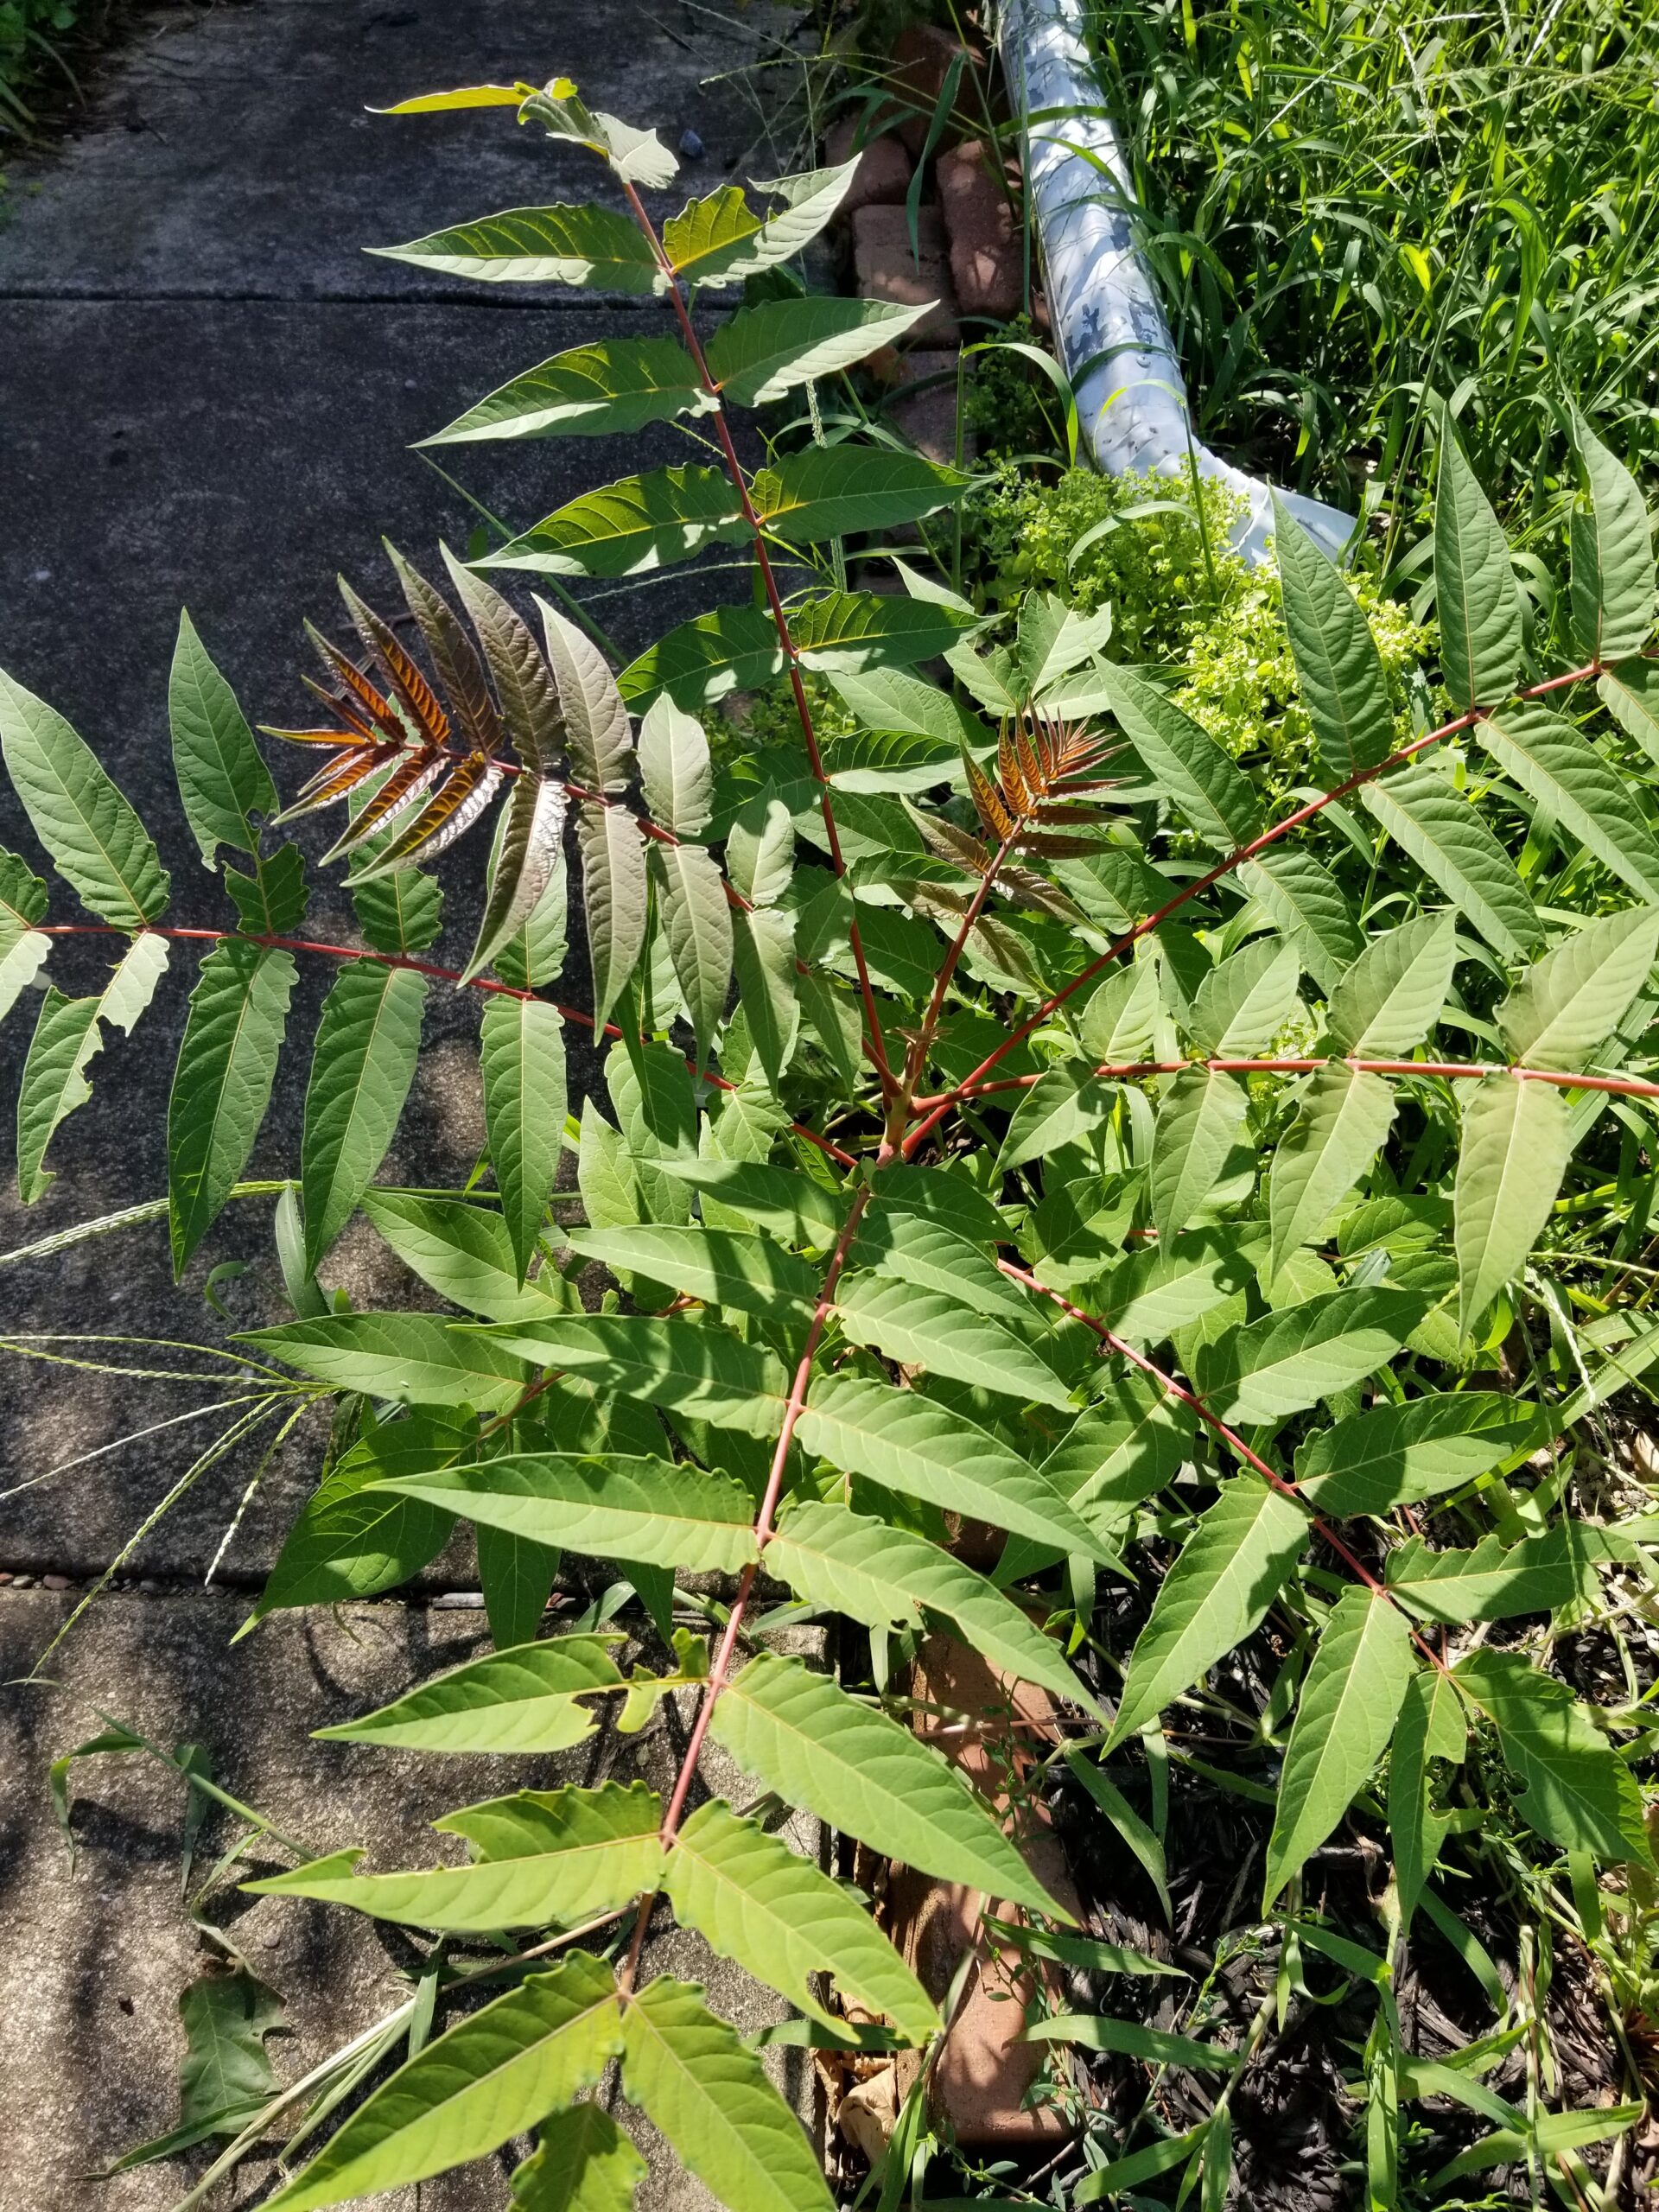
421	967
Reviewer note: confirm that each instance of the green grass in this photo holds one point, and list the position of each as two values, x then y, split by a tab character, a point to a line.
1349	210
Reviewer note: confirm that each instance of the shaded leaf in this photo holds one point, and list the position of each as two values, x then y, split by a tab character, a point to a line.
98	843
367	1044
221	1086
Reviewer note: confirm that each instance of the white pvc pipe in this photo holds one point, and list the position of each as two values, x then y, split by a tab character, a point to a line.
1108	322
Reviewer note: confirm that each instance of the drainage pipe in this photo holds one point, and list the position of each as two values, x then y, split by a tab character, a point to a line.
1108	323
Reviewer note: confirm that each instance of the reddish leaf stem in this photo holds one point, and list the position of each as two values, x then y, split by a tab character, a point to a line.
719	1673
825	1145
1624	1086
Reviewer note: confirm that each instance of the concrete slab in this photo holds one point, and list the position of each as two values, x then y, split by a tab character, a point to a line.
99	1951
232	156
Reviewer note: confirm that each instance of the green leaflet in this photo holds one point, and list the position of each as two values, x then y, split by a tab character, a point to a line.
615	898
1516	1141
1565	773
838	491
1338	668
1306	902
612	385
1242	1004
1164	1286
765	350
1131	1442
908	1444
1345	1720
367	1044
536	954
697	923
1218	1591
529	854
1612	557
736	648
1195	1145
721	240
924	1253
927	1329
1395	993
722	1266
677	770
783	1201
100	848
598	247
884	1576
1062	1103
23	898
1341	1125
595	721
20	962
352	1541
1630	694
1119	1021
66	1037
271	901
684	1366
1431	1726
1578	1792
1290	1360
222	778
517	1576
711	2099
730	648
1441	831
1577	995
528	1699
542	1858
1395	1454
639	523
461	1251
495	2074
1180	760
400	913
618	1507
221	1085
852	1765
763	957
938	1194
1476	596
760	1902
582	2163
1495	1581
417	1359
521	1053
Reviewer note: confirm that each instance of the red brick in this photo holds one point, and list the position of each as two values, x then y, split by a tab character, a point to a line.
922	54
928	418
884	171
888	271
987	259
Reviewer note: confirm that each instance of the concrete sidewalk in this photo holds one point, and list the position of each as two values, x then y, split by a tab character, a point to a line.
208	396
